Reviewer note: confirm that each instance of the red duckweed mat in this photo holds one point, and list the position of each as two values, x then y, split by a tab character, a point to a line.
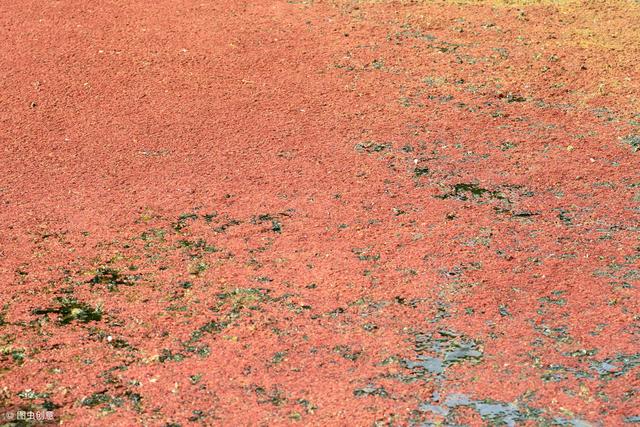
331	212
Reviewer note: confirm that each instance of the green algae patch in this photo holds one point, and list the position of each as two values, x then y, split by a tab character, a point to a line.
70	310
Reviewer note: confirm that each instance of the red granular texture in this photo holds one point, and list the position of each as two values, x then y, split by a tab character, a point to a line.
320	212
